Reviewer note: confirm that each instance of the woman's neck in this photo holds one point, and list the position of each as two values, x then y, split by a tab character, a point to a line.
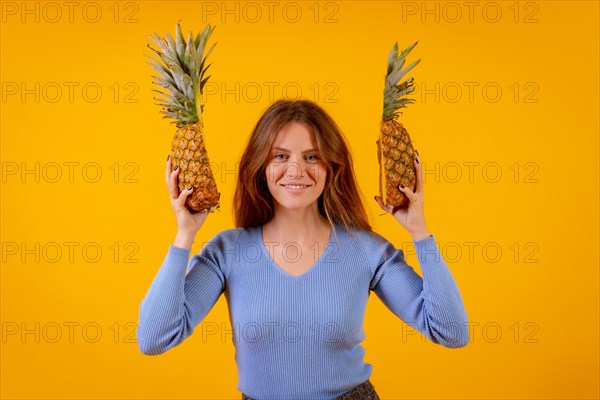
300	226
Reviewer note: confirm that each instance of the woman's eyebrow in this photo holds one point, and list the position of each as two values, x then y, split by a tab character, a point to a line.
283	149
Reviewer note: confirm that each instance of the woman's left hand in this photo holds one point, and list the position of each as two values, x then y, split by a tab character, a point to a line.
412	218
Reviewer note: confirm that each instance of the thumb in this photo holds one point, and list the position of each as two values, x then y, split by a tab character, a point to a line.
379	201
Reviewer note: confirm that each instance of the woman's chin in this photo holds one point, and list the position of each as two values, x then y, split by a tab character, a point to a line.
296	205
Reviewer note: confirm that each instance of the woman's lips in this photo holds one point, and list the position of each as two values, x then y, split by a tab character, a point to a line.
295	187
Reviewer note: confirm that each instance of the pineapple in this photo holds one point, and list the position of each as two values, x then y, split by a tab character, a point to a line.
181	80
395	152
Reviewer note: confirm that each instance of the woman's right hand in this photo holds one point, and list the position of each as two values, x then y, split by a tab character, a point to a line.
187	222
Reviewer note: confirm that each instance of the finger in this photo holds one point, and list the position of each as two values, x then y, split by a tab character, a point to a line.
168	170
183	196
173	185
380	202
388	209
409	193
419	173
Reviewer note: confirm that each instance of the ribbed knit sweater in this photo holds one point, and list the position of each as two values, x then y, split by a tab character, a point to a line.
299	337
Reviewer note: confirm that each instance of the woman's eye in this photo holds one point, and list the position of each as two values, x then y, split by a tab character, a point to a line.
282	157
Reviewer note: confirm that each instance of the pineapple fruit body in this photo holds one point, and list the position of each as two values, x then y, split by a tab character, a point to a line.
396	163
395	152
189	153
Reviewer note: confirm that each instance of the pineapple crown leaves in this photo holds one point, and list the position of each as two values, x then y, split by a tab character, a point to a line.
181	66
395	88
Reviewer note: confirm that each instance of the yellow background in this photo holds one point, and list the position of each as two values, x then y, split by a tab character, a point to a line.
535	323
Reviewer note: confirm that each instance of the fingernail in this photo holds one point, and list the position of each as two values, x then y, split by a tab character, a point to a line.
175	169
402	186
190	188
417	151
417	161
375	198
168	157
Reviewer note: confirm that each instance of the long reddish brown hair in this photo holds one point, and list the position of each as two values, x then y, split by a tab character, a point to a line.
340	201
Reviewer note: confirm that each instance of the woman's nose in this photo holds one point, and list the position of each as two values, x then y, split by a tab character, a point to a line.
294	170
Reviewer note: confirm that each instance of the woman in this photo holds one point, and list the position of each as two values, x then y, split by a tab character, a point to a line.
298	269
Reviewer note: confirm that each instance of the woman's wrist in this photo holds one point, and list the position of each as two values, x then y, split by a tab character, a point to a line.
420	234
184	239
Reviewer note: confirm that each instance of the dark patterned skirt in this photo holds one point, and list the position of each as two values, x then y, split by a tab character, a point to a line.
364	391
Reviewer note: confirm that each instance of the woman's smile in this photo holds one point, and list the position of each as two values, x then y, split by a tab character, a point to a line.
294	188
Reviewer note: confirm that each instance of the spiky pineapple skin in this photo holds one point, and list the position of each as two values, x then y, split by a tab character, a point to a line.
189	153
396	157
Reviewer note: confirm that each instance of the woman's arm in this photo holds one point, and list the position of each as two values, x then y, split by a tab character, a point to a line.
432	304
176	302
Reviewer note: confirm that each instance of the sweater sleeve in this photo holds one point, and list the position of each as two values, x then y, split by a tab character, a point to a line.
432	304
177	302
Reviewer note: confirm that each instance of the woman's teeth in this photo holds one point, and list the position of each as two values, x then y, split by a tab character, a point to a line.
296	186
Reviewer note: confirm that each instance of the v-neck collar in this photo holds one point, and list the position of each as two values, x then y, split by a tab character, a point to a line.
259	237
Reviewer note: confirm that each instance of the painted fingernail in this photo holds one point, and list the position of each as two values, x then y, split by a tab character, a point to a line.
417	160
175	169
417	151
189	188
168	157
402	186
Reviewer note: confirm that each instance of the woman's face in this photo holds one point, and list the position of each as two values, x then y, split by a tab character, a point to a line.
295	173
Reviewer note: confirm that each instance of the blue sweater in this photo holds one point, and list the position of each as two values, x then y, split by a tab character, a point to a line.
299	337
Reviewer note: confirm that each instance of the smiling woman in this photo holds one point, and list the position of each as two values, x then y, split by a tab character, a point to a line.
298	269
297	142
